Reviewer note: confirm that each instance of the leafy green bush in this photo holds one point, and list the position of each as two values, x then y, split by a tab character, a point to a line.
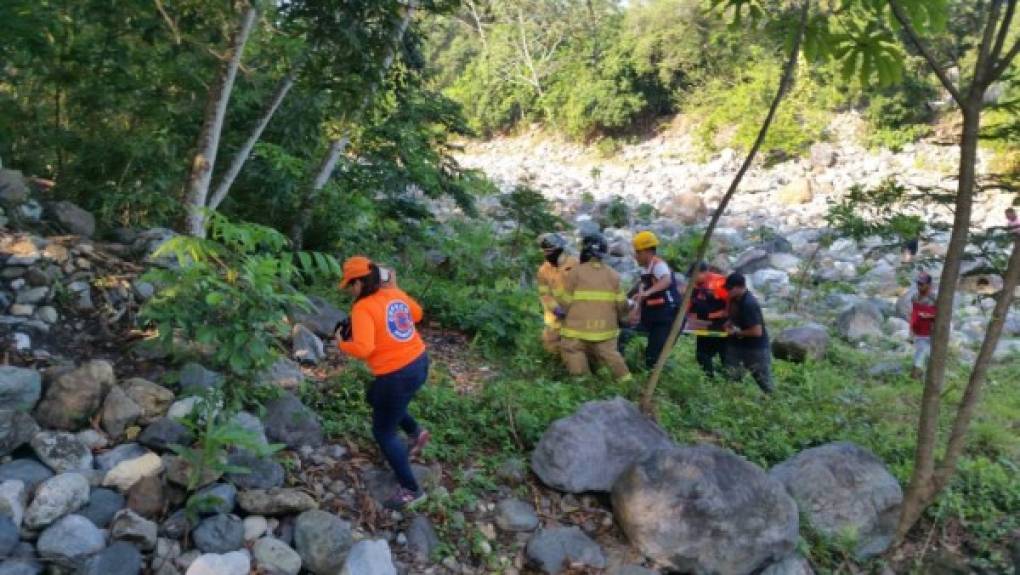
230	292
901	115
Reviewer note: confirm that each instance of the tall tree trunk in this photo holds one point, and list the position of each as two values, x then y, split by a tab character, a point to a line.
212	126
785	83
242	155
922	485
337	146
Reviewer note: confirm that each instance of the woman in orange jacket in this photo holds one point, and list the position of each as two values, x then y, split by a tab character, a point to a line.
382	333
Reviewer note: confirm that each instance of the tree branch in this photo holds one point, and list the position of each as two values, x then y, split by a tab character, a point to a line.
1000	41
901	17
985	65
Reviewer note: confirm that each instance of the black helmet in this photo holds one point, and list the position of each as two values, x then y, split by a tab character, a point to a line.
594	246
552	241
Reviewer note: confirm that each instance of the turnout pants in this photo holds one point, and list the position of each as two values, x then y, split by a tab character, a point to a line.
389	396
579	354
551	340
756	360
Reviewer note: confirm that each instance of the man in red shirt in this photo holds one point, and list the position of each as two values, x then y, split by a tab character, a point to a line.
922	318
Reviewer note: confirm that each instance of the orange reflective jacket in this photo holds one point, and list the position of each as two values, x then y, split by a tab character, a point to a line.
383	332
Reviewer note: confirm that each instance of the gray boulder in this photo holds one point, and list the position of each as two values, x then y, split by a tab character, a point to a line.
422	539
70	541
219	534
196	379
20	388
843	489
751	261
57	497
233	563
862	319
322	540
119	411
274	557
74	219
163	433
9	536
284	374
213	499
61	451
554	550
796	344
321	317
20	567
154	399
276	501
292	423
792	565
74	397
123	452
13	501
102	506
263	472
369	558
612	433
516	515
703	509
307	348
16	429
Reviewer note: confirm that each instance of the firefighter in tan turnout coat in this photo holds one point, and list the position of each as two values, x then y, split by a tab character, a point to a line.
592	306
551	275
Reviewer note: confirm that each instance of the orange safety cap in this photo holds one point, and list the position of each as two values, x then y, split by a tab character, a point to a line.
354	268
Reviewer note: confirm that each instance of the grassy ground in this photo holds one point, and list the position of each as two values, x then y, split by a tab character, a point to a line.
481	418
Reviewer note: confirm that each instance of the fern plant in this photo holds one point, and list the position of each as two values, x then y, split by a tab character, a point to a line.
231	291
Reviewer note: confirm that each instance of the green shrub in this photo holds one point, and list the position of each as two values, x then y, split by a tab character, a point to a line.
899	116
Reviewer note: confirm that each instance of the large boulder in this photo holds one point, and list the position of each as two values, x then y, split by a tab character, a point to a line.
322	540
553	550
20	388
612	433
291	422
73	218
13	189
284	373
28	471
687	207
70	541
862	319
369	558
843	489
799	343
321	317
119	411
154	399
74	397
752	260
307	348
703	509
61	451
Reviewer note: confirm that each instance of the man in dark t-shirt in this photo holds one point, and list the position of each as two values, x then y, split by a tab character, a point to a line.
748	342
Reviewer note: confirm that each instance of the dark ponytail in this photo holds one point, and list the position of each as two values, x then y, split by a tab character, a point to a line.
370	283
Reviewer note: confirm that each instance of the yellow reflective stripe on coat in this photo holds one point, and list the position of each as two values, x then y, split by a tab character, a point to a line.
589	335
592	295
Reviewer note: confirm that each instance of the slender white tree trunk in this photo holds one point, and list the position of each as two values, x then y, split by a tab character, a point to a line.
209	138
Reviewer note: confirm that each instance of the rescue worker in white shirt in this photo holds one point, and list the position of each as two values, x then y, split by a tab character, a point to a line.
551	275
656	297
592	306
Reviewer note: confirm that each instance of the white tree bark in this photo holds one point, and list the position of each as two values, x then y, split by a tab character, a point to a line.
212	127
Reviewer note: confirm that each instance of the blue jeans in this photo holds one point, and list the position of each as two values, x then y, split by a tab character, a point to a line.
389	397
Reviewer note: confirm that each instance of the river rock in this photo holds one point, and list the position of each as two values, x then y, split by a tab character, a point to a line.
70	541
322	540
233	563
263	472
28	471
16	429
163	433
255	526
219	534
842	488
290	422
751	261
61	451
119	411
196	379
613	433
9	536
73	397
129	472
121	558
516	515
799	343
73	218
792	565
284	374
123	452
553	550
135	529
307	347
800	191
57	497
13	500
422	539
860	320
687	207
154	399
21	567
216	498
703	509
146	497
369	558
103	505
274	557
276	501
20	388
